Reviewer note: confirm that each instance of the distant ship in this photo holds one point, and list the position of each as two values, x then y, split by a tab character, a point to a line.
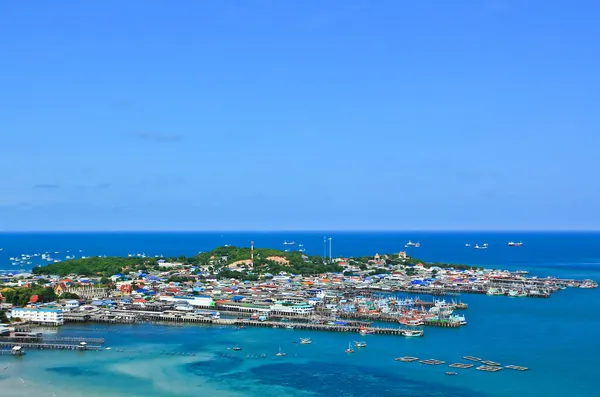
289	243
513	244
467	245
481	247
411	244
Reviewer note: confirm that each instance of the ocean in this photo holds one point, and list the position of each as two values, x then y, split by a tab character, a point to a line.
556	337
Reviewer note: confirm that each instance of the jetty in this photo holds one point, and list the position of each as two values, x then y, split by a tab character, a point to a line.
51	346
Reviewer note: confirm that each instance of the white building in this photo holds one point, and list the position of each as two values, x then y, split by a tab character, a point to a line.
293	309
198	300
41	316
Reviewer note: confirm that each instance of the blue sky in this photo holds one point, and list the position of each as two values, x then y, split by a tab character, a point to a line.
204	115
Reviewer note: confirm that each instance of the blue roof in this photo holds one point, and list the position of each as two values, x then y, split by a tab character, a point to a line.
237	298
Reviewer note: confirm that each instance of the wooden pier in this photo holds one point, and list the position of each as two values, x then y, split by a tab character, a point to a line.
50	346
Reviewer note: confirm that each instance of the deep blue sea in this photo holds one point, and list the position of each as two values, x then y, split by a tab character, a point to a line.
557	337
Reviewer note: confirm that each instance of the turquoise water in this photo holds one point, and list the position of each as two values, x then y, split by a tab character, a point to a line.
556	338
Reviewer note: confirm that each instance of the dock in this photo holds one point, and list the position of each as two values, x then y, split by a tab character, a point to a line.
461	365
51	346
432	362
406	359
488	368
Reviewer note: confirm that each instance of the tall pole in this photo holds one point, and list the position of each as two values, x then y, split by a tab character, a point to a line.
252	251
330	249
324	248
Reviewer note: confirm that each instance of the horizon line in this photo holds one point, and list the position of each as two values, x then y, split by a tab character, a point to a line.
299	231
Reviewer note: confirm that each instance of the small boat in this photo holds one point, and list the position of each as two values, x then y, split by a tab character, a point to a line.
289	327
481	247
237	348
280	353
467	245
305	341
513	244
349	349
360	344
411	244
451	373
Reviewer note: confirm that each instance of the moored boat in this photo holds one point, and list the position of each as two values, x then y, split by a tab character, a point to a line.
349	349
412	332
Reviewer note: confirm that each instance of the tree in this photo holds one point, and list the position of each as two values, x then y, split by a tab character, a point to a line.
105	280
3	318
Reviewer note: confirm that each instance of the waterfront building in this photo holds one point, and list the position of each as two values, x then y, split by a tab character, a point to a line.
304	308
38	315
198	300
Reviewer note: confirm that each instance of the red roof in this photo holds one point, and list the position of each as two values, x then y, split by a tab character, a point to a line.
34	299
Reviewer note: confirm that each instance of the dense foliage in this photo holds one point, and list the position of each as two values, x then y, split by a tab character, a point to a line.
218	260
22	296
95	266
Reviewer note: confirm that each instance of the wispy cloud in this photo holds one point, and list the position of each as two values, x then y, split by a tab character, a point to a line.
46	186
98	186
157	136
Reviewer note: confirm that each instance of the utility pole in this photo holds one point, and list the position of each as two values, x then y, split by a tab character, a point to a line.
330	257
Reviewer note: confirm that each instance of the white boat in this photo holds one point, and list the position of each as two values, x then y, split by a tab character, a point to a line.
467	245
513	244
360	344
349	349
412	332
305	341
481	247
280	353
458	318
411	244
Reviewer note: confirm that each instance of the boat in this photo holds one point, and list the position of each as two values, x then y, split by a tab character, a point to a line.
237	348
349	349
513	244
366	331
411	244
280	353
412	332
305	341
458	318
451	373
360	344
467	245
289	327
480	247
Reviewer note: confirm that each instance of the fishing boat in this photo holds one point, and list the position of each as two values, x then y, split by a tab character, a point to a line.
513	244
280	353
305	341
237	348
458	318
349	349
412	332
366	331
481	247
360	344
411	244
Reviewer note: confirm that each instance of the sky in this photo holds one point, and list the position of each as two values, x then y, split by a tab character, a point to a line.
283	115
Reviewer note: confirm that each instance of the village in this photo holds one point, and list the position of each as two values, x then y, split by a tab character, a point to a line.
364	290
